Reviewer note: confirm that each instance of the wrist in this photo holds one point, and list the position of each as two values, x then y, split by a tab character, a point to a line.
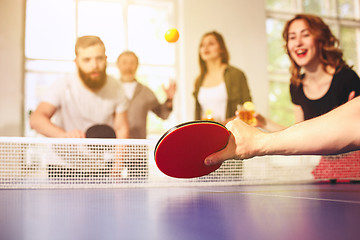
261	144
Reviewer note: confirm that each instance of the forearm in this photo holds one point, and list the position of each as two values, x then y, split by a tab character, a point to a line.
121	125
122	132
169	104
163	110
45	127
334	132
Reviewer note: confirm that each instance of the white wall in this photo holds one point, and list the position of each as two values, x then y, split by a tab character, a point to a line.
241	22
11	66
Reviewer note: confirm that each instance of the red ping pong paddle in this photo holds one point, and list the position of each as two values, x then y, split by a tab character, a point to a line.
181	151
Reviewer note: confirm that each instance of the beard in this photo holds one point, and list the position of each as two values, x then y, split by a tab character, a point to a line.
94	83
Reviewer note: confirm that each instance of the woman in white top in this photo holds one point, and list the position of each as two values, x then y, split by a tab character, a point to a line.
219	88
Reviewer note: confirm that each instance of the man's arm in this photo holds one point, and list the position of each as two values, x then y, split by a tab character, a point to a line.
40	120
170	92
121	125
332	133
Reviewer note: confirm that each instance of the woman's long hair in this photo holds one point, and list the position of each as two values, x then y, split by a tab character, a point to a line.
326	43
224	52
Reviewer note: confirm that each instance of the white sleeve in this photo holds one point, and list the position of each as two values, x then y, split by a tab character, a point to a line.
55	92
122	101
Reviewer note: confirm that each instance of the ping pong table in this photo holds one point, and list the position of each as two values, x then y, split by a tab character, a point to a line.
297	211
261	198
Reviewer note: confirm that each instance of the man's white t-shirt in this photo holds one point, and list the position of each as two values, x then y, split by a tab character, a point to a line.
129	88
80	108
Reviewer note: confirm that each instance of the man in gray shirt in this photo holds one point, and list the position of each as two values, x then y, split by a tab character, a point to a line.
141	98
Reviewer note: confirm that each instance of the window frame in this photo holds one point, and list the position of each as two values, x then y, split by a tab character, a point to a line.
30	68
283	75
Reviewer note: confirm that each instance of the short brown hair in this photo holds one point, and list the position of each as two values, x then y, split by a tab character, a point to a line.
87	41
127	52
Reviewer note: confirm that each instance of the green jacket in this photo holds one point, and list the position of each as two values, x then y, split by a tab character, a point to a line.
237	90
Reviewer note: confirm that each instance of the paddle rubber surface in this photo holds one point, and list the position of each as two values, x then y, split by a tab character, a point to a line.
181	151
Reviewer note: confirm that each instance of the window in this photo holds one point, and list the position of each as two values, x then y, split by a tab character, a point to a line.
342	16
52	27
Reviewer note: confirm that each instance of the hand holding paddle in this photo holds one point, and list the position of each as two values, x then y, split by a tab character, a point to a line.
243	143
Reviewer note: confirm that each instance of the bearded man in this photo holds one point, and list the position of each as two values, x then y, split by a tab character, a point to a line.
86	98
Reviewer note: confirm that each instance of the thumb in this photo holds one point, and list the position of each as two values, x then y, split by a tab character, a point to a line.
226	153
215	158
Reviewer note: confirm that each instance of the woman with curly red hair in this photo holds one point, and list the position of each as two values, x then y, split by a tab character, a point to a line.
320	79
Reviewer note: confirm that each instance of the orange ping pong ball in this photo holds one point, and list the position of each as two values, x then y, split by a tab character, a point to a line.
172	35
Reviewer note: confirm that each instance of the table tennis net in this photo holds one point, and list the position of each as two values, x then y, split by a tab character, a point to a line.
86	163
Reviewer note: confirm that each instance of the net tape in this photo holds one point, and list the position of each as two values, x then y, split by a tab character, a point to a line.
86	163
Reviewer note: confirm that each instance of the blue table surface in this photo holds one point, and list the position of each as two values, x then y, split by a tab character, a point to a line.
308	211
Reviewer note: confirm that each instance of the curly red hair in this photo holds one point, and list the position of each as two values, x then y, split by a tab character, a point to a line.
327	44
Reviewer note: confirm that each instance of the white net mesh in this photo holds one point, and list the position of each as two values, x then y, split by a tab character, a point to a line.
71	163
